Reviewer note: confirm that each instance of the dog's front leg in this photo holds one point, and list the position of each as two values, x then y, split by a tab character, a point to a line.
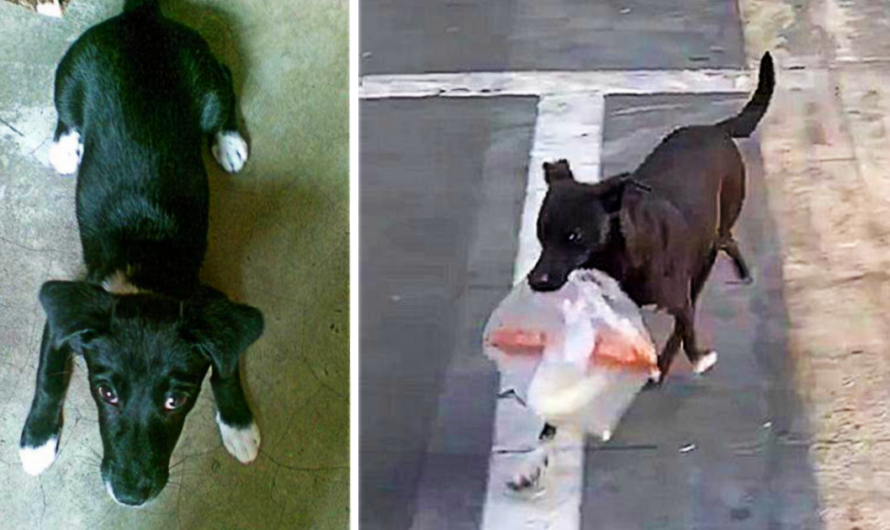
702	361
671	347
239	431
40	437
534	466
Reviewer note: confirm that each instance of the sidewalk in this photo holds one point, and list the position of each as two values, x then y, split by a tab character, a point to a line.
827	163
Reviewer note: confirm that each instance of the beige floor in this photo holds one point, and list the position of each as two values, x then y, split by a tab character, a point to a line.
827	157
280	241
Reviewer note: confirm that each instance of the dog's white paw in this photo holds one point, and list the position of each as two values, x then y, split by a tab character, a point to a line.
36	460
243	444
654	375
530	475
65	154
50	9
111	494
230	150
706	362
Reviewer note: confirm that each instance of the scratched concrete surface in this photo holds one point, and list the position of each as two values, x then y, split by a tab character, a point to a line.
825	152
279	240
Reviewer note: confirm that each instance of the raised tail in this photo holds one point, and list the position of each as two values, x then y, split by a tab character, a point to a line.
133	5
743	124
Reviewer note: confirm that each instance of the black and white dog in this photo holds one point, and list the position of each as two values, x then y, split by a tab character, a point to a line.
136	96
657	230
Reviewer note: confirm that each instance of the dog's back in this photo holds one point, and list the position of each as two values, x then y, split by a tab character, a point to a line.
142	85
695	163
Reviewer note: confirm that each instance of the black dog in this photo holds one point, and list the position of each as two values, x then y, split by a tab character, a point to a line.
658	230
136	96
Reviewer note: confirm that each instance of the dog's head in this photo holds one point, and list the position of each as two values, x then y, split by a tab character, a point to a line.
576	221
147	356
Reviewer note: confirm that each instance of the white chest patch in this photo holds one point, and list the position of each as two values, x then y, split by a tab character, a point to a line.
230	150
118	283
65	154
36	460
243	444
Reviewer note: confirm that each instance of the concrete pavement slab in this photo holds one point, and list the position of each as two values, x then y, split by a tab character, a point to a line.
442	188
402	36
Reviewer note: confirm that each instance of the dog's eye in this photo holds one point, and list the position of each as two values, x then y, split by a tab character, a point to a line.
108	395
574	238
174	401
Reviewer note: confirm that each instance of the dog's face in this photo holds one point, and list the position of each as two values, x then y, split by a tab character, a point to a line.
147	356
575	222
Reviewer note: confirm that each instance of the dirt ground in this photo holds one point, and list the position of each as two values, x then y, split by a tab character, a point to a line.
826	153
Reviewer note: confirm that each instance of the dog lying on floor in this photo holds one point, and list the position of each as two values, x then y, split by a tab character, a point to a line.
657	230
136	96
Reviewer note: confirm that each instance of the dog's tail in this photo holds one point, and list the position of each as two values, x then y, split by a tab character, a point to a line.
146	5
743	124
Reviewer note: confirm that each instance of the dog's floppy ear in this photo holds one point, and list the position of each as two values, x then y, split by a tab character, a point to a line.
222	330
76	311
556	171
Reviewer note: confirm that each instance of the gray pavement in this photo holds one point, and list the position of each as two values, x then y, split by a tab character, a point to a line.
441	194
405	36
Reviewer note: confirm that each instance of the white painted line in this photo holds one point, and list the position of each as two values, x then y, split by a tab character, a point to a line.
496	84
567	126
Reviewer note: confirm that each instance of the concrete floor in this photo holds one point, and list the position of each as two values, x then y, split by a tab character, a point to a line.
279	240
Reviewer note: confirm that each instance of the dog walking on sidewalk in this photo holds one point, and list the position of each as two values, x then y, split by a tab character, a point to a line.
657	230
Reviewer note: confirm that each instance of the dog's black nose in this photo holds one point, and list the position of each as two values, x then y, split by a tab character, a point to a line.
133	492
543	282
133	497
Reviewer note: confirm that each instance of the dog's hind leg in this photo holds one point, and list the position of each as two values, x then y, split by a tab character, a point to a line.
731	247
219	119
732	196
39	443
66	151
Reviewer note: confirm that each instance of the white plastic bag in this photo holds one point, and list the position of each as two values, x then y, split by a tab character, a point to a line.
577	356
